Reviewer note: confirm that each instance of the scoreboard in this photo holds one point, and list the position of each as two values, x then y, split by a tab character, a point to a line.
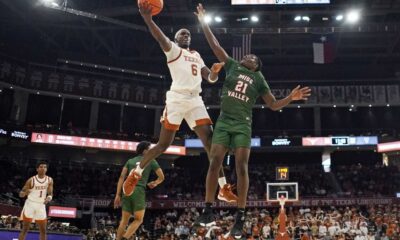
282	173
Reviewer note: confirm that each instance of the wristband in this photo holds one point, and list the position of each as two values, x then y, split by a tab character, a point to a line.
49	198
212	81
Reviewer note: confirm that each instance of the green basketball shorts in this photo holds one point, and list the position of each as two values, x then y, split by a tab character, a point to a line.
232	133
135	202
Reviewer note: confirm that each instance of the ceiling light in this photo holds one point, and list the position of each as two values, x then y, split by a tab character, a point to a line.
218	19
207	19
353	16
297	18
339	17
254	18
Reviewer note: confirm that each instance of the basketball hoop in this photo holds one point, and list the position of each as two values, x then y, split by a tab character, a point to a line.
282	199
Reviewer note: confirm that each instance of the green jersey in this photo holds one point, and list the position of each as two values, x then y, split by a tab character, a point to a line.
133	162
240	91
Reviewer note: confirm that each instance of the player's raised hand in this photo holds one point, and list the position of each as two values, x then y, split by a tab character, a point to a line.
216	67
117	201
152	184
300	93
145	10
200	12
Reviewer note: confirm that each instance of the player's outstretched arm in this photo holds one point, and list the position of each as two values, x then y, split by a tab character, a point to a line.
160	179
145	11
296	94
211	39
26	189
211	75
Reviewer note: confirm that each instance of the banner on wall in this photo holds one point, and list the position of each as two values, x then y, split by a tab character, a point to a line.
100	143
179	204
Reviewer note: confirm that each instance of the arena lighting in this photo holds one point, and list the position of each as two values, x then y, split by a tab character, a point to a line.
254	18
218	19
297	18
305	18
325	19
334	106
353	16
37	93
281	110
108	101
339	17
207	19
298	106
370	105
388	105
352	105
48	3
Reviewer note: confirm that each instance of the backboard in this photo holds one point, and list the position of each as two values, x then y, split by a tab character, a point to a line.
289	190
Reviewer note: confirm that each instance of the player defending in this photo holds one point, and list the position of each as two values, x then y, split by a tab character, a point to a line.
39	190
183	100
243	84
135	204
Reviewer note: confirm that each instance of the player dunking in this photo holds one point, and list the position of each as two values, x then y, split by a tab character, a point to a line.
135	204
39	190
183	100
243	84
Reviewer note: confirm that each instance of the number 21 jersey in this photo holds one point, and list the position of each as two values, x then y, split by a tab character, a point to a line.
240	91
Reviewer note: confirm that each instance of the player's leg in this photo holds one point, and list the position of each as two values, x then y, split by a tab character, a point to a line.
26	217
241	141
199	120
42	228
138	220
138	203
217	154
123	223
25	228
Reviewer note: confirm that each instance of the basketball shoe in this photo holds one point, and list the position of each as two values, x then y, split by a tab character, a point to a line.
130	183
237	229
226	194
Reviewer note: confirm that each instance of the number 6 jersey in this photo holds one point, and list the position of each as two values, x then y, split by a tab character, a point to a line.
185	68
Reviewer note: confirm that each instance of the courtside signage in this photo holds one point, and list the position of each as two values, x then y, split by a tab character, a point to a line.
388	147
96	143
62	212
340	141
196	143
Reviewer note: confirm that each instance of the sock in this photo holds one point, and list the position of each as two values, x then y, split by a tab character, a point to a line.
139	170
222	181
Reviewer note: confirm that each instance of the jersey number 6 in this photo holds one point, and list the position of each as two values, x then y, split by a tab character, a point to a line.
194	69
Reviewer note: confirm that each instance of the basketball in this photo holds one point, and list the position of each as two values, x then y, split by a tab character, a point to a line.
156	5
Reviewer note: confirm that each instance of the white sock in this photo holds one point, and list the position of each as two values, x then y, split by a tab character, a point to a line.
139	170
221	182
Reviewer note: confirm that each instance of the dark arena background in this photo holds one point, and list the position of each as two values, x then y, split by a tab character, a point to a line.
83	81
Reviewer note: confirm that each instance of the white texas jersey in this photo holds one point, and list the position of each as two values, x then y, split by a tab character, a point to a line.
185	68
39	187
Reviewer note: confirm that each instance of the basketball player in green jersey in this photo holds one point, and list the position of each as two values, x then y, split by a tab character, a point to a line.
243	84
135	204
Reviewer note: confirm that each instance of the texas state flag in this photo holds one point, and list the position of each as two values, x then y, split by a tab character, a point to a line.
324	48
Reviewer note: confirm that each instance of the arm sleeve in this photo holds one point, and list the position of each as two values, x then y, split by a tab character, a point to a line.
173	53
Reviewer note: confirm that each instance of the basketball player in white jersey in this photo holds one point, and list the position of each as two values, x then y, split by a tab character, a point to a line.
39	191
183	101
